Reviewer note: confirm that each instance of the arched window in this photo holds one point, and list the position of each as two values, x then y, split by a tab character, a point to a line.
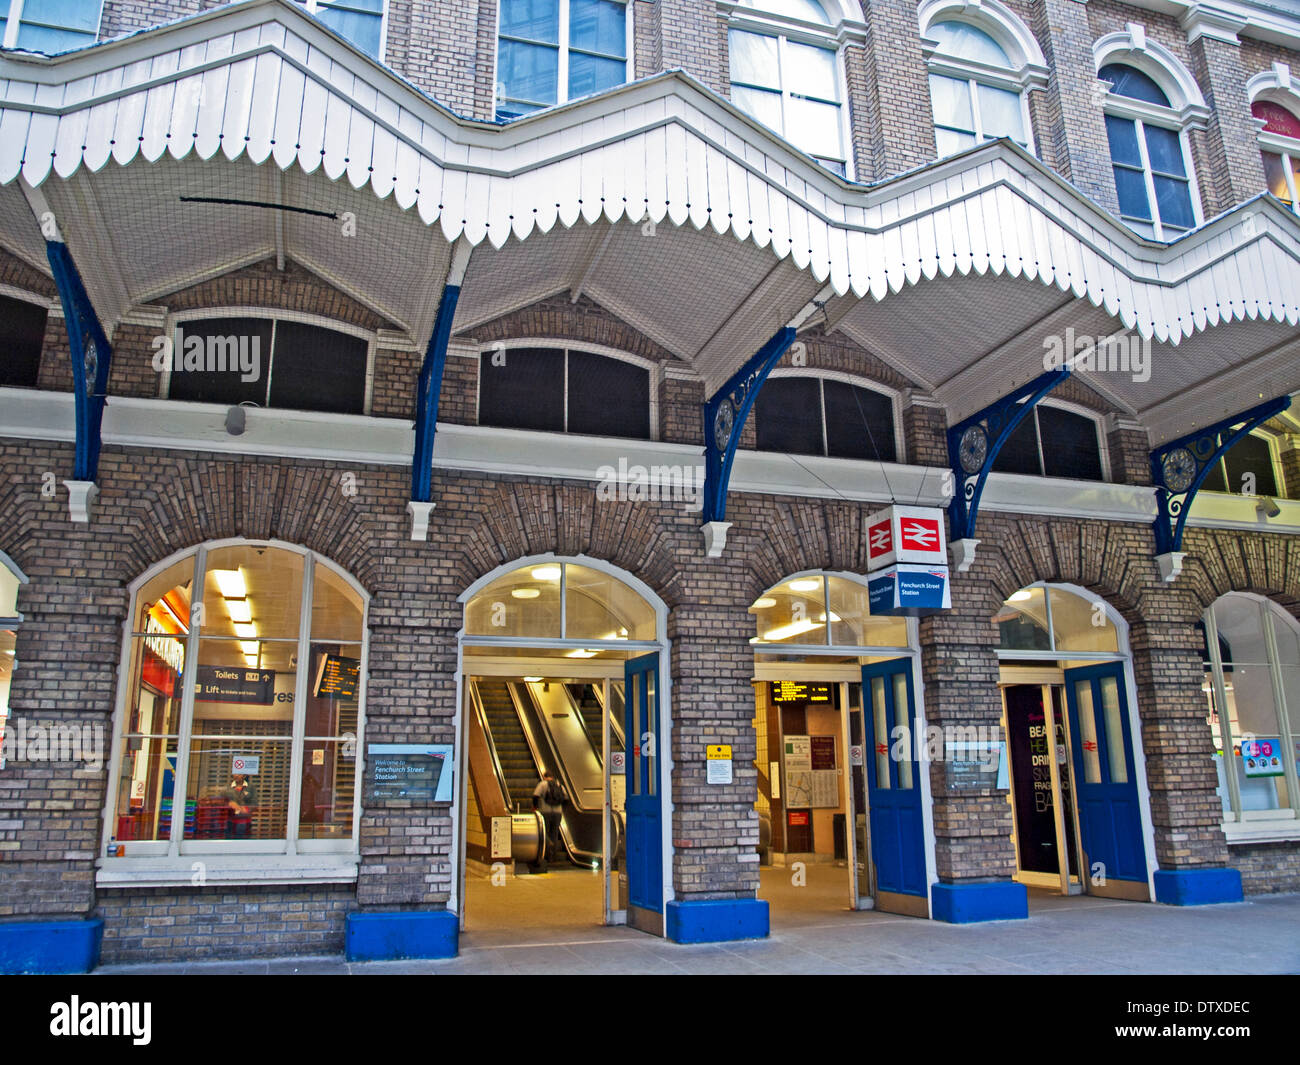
268	362
977	82
1056	620
1279	143
1249	468
1054	441
10	578
1251	659
1145	128
815	415
564	390
785	73
241	708
552	51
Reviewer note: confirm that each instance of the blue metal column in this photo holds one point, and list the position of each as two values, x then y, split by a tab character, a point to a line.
427	395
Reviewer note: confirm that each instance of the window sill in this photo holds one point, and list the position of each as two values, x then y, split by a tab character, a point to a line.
210	870
1279	831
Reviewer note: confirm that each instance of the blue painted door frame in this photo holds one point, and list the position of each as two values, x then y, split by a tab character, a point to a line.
1105	778
644	802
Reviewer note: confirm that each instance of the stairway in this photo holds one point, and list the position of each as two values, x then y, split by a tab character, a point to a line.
511	745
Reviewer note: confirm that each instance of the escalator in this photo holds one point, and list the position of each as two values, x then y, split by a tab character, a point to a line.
512	750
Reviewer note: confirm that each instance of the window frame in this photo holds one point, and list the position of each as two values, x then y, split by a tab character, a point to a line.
1275	461
312	7
562	66
14	20
1142	114
891	394
179	853
1093	416
177	319
655	378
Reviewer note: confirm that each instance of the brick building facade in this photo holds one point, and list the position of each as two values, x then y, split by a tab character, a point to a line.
171	478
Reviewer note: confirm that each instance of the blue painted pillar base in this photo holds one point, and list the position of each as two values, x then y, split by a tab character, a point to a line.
1197	887
1001	900
50	946
716	920
411	934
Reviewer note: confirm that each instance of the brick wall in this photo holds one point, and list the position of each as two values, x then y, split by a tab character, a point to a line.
1266	868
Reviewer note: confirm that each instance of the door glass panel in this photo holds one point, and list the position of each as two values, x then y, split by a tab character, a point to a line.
1088	732
634	763
1114	731
650	738
882	731
902	717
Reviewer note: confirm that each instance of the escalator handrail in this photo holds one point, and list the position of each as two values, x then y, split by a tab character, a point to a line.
615	723
481	714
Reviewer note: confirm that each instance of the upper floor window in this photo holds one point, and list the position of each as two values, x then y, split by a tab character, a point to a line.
1148	156
359	21
269	363
22	333
821	416
562	391
975	89
1249	468
785	73
1053	442
552	51
49	26
1279	143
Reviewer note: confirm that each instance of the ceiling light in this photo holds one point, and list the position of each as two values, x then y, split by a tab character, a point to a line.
246	632
806	584
621	634
231	583
240	610
250	661
795	628
546	573
1021	596
249	648
525	593
581	653
764	603
532	680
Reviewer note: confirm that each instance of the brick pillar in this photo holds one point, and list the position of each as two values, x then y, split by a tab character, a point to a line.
1290	449
715	826
647	41
925	431
862	115
1073	105
1235	170
1129	449
975	857
897	103
693	38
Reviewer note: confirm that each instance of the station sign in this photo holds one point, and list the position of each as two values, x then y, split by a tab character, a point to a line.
909	591
414	773
906	534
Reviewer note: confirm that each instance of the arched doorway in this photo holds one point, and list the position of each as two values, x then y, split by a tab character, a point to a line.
1073	755
843	823
560	672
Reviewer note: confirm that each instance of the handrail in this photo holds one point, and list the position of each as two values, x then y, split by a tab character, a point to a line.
615	721
477	702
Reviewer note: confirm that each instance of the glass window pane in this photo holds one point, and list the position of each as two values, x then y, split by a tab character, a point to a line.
852	624
535	20
318	369
530	72
1129	81
965	41
589	74
1132	189
165	599
901	717
859	422
329	751
1088	732
222	360
1001	114
1165	151
1115	756
263	583
1022	622
884	741
336	608
1081	624
759	104
788	416
814	127
753	59
608	397
232	805
1174	200
1122	135
634	692
22	333
1277	119
1250	465
1275	176
806	10
1020	452
1070	446
522	388
810	71
650	737
951	100
361	28
523	603
601	607
598	26
793	612
948	142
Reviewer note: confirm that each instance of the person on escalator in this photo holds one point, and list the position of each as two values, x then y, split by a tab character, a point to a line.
549	800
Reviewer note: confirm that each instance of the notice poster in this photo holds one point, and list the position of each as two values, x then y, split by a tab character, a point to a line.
826	789
823	752
1031	774
798	771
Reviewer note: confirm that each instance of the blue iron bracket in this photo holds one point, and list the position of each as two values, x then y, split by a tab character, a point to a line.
92	357
995	424
724	420
1180	467
427	395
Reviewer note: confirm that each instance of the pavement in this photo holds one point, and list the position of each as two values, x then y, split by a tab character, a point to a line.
1077	935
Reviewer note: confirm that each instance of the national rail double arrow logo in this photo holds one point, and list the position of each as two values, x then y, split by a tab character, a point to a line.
920	534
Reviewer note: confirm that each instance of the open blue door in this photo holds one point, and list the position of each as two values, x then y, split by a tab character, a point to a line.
643	810
1110	821
894	788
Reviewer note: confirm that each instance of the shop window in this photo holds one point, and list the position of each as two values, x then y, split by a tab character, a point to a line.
552	51
22	332
790	81
1279	143
49	26
270	363
1148	156
819	416
1252	688
359	21
976	89
1248	468
564	391
9	618
1053	442
219	653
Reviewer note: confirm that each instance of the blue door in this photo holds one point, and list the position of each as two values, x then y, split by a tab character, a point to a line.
894	787
643	810
1110	822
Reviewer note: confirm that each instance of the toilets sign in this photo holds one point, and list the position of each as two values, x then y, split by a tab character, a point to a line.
906	534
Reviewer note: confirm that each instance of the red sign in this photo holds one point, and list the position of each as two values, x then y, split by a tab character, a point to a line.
880	539
797	818
920	534
1089	745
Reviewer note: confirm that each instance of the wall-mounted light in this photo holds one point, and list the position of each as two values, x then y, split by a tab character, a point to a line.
1267	506
235	421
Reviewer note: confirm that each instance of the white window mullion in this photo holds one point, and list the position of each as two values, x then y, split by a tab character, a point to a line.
300	682
1287	741
1148	178
180	785
562	90
15	20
